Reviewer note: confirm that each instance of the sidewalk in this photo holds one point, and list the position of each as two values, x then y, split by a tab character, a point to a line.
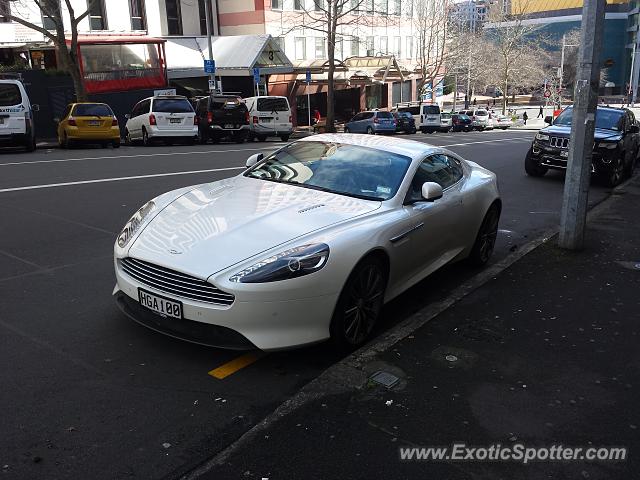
545	353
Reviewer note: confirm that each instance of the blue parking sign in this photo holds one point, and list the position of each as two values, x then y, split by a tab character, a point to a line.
256	75
308	76
209	66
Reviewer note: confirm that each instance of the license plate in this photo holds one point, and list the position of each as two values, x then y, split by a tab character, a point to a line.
564	154
94	123
161	305
175	120
265	120
228	125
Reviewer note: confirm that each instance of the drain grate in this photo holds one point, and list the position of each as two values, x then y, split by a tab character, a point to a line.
385	378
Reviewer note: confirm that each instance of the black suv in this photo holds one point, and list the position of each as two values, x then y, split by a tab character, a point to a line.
615	148
222	116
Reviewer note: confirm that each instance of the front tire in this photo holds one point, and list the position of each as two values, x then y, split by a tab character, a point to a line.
486	238
613	177
532	167
346	130
359	305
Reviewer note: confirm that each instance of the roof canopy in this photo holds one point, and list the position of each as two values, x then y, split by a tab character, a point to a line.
115	39
355	70
234	56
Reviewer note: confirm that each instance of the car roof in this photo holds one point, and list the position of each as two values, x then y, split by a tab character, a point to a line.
399	146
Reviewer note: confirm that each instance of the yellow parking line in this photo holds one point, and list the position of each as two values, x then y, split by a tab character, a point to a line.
229	368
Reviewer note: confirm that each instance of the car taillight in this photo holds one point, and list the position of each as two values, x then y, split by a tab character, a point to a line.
196	120
72	121
247	117
114	121
152	119
255	119
209	117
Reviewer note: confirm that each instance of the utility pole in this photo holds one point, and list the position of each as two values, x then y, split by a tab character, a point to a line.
576	187
631	94
207	19
561	71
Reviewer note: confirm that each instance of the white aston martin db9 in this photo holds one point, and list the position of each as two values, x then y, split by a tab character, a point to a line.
306	244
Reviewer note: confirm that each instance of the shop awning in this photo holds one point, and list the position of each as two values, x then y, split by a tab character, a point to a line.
234	56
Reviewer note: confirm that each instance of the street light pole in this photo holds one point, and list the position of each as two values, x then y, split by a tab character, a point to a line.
573	215
207	19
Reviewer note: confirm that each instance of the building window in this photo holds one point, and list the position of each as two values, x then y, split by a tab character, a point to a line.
203	16
384	45
371	49
52	6
5	11
174	17
280	43
321	51
301	48
355	47
397	42
409	50
138	18
396	7
318	5
369	6
383	6
297	4
355	6
276	4
410	10
339	48
97	16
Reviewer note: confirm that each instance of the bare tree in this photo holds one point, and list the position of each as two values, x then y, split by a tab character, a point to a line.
67	54
330	17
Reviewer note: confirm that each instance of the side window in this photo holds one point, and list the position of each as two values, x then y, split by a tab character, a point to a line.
438	168
356	117
145	107
368	115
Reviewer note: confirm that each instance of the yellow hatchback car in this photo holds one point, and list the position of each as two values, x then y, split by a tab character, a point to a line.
88	123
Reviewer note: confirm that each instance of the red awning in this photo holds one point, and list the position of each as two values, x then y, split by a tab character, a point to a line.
115	39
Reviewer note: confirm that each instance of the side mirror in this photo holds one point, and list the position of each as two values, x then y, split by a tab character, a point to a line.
253	159
634	129
548	119
127	116
35	107
431	191
56	119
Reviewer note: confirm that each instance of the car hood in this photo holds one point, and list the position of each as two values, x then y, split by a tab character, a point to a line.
219	224
565	131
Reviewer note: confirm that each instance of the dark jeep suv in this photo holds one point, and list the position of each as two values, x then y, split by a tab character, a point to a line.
222	116
615	148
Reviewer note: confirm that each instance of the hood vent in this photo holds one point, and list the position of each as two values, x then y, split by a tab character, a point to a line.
313	207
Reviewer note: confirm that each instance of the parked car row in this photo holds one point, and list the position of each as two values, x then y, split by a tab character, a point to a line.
173	118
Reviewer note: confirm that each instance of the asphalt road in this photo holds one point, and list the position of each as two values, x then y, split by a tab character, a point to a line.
88	393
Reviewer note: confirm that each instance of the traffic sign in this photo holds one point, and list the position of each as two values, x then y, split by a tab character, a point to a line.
212	85
308	79
209	66
256	75
547	93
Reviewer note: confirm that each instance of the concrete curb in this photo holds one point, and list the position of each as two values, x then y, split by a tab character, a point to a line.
348	374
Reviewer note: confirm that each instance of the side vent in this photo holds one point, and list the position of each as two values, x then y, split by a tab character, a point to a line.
313	207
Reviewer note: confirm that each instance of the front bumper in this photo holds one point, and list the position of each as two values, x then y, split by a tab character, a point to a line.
554	159
274	324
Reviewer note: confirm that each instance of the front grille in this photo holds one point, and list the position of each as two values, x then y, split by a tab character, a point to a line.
175	283
559	142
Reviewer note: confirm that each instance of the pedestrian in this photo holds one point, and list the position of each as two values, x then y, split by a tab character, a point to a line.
525	117
474	102
494	102
540	113
316	116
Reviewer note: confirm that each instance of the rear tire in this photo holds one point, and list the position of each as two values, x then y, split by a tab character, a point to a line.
284	138
116	143
146	141
532	167
127	138
359	305
261	138
370	131
239	138
346	130
486	238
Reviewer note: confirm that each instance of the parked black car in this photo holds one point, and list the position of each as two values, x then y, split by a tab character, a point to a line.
222	117
614	152
405	122
461	123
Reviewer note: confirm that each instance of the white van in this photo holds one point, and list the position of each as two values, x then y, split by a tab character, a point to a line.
16	116
430	120
269	116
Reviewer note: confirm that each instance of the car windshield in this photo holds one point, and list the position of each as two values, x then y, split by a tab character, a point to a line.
385	115
445	115
172	105
462	116
481	113
272	104
218	103
431	110
405	115
92	110
350	170
412	110
9	95
605	119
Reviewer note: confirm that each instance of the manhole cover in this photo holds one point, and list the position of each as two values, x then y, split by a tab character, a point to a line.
385	378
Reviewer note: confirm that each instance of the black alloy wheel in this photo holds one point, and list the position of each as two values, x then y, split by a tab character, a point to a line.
486	238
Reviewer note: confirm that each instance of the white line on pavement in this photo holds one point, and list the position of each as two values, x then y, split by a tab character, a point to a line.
484	141
162	154
117	179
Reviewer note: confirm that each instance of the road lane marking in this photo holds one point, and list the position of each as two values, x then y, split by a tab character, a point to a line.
229	368
145	155
117	179
485	141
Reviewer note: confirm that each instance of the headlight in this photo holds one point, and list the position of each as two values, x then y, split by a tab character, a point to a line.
609	145
134	223
542	137
291	263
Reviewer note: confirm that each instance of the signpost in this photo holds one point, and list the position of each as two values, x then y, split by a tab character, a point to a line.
308	81
210	66
256	79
